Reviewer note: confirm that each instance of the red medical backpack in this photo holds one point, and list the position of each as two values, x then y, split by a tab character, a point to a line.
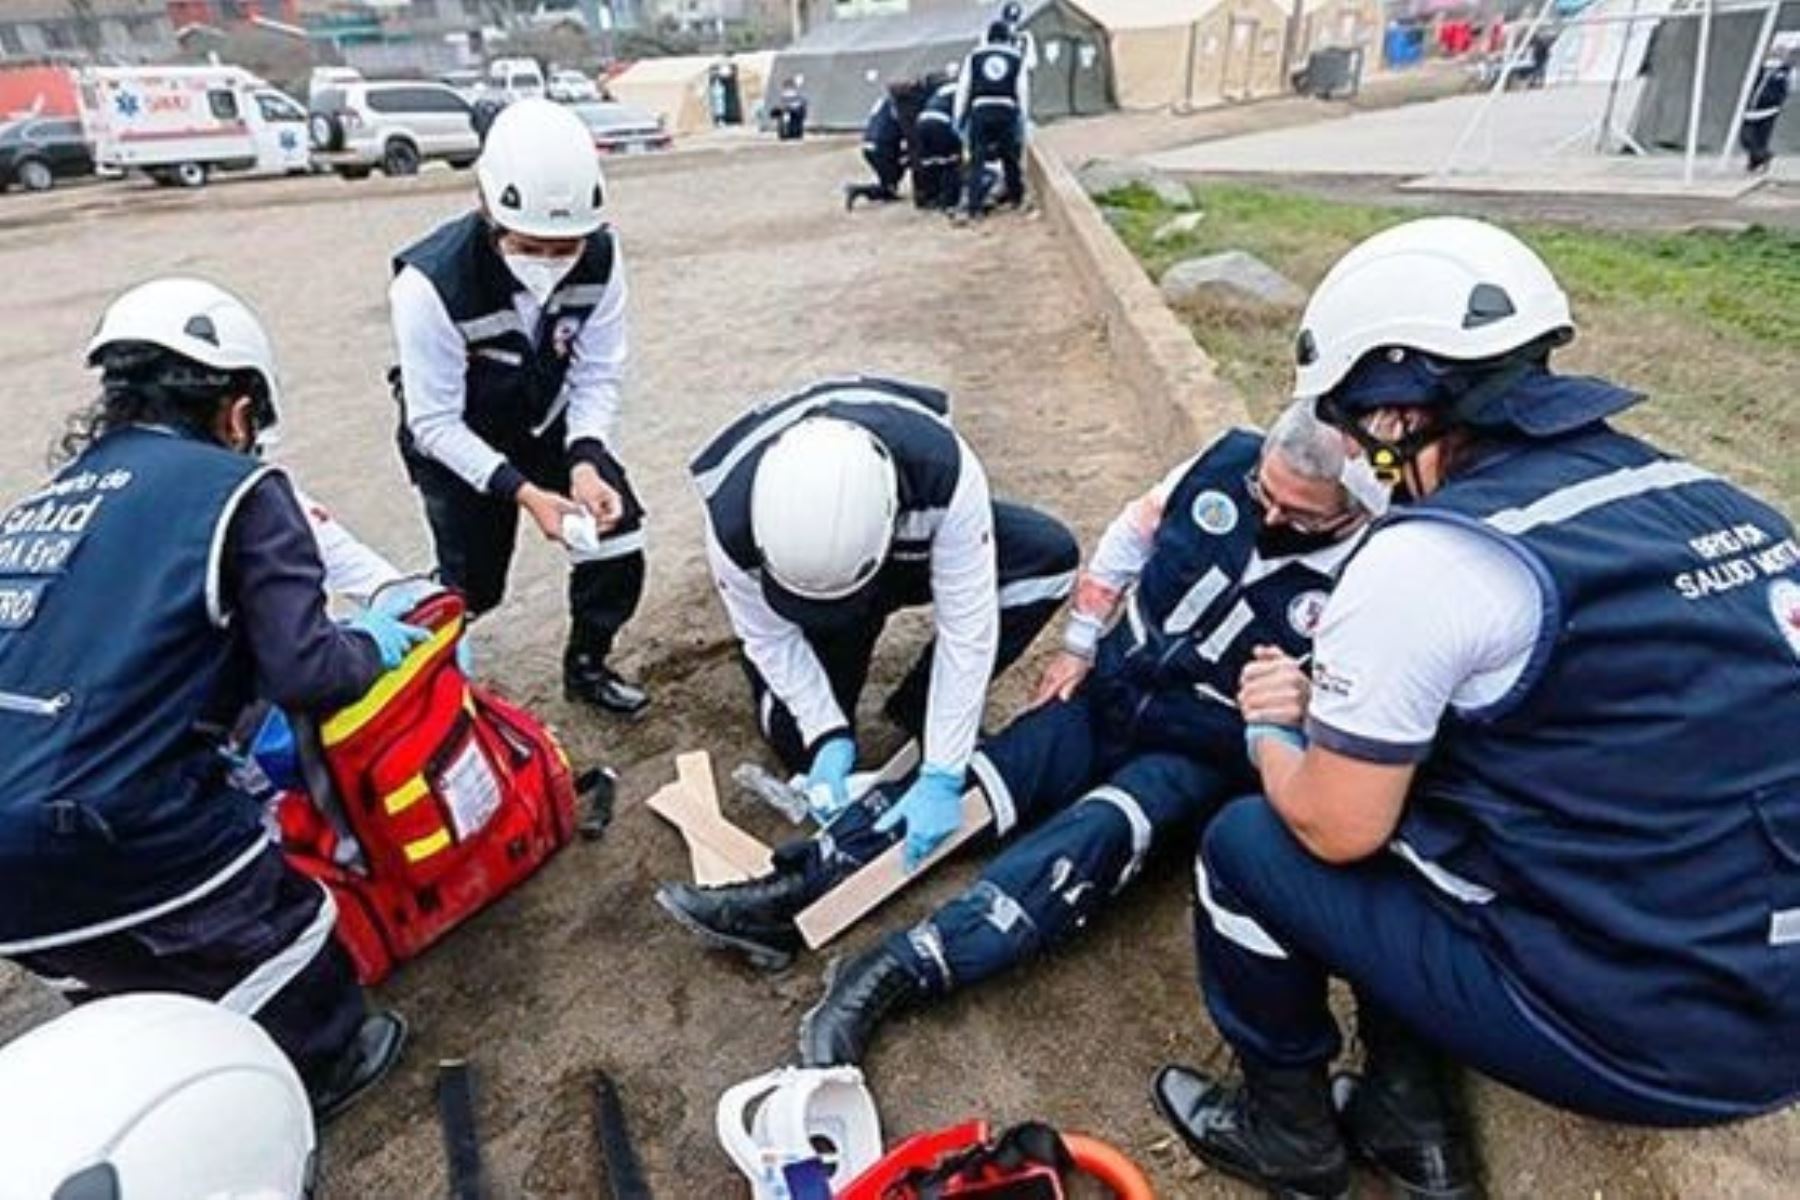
426	801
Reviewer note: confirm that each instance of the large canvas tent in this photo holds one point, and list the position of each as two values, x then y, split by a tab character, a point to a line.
1188	53
1342	24
1661	118
1614	44
845	65
676	88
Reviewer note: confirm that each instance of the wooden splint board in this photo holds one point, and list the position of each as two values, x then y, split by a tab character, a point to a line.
720	851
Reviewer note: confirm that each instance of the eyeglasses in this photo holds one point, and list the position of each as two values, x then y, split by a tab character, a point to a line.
1299	521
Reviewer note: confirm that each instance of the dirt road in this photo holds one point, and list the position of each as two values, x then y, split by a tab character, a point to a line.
748	278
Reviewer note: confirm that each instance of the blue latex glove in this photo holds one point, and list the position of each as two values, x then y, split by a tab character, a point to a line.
931	809
1258	731
831	767
400	597
393	637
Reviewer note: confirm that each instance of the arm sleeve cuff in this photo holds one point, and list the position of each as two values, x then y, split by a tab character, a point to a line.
836	731
1369	750
506	481
589	450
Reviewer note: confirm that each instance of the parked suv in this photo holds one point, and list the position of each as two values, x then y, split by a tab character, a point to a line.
35	153
397	126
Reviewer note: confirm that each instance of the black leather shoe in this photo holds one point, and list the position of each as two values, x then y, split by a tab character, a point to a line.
587	680
860	993
371	1054
754	919
1402	1115
1275	1130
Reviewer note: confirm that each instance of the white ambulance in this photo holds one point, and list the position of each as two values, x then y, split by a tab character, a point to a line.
178	125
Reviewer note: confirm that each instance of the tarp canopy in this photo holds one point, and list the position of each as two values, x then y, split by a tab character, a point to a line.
1191	52
1592	53
1662	110
845	65
675	88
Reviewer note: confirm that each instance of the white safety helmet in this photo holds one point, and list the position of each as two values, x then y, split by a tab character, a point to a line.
823	506
1449	287
803	1115
152	1097
201	322
540	173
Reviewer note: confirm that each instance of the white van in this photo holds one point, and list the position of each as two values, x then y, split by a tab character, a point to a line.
516	78
180	124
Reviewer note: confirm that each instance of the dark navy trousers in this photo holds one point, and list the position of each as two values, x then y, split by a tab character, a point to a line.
260	944
1274	923
1082	812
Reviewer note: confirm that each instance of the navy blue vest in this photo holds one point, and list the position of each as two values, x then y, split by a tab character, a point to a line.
911	420
1167	674
115	682
1633	806
994	74
882	132
515	375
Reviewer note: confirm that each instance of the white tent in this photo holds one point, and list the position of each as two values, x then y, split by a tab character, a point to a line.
1590	53
1191	52
675	88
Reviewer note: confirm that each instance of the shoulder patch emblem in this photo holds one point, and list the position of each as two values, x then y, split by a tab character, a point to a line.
1215	513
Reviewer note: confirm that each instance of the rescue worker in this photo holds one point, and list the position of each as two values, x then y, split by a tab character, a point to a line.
884	148
1134	740
991	104
828	511
510	327
1544	816
161	581
937	149
1768	96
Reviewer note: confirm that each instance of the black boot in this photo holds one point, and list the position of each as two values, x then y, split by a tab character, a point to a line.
859	994
365	1062
755	919
1402	1115
1276	1129
588	680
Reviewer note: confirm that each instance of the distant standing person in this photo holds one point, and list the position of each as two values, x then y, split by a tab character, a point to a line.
990	102
790	111
1773	86
510	327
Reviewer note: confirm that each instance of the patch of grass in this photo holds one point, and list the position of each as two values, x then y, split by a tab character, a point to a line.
1707	324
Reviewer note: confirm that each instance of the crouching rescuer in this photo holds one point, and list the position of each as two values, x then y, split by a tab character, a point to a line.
163	579
510	328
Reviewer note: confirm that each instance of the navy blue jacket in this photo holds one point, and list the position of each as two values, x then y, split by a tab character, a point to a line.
147	593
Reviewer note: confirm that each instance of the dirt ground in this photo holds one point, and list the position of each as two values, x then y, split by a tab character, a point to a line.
748	279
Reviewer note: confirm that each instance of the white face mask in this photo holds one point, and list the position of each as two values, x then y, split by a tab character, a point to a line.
539	276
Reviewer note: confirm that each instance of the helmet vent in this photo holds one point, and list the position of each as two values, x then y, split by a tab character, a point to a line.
599	196
201	328
510	198
1306	350
1487	304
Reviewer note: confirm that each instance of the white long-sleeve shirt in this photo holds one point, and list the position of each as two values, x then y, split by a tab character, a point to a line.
433	357
352	569
965	611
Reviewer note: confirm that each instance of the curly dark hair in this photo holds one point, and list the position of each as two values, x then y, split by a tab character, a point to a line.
143	384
